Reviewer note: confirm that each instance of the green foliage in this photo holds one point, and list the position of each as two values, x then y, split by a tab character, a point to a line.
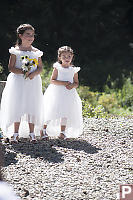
118	100
121	112
46	75
108	101
91	111
90	96
1	69
2	74
125	95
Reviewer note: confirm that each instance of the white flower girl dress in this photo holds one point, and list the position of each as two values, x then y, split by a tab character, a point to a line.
59	102
21	98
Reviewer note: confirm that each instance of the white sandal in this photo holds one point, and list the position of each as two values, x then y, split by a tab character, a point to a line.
62	135
14	138
32	137
44	135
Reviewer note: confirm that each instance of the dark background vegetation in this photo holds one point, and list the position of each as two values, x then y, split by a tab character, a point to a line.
99	31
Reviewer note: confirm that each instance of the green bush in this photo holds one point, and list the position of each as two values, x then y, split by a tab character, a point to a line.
108	101
46	75
85	93
126	94
2	74
121	112
123	93
91	111
1	69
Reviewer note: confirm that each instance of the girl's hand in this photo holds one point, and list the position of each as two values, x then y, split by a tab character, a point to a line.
27	74
69	86
31	76
67	83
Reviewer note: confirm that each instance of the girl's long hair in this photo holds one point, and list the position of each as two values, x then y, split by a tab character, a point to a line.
20	30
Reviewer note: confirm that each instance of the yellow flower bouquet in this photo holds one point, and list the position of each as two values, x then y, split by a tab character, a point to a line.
28	64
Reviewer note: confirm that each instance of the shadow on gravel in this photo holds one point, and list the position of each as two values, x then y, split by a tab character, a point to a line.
9	157
45	150
78	145
41	149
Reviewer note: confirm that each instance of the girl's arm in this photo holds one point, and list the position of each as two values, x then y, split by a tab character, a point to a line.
54	79
11	65
37	71
75	84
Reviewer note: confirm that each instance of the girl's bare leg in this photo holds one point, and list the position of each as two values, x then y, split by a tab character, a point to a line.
31	127
32	135
16	127
63	127
15	137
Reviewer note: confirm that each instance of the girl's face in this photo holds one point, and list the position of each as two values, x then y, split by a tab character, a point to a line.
66	58
27	37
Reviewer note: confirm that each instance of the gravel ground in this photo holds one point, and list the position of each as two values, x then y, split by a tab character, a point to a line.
91	167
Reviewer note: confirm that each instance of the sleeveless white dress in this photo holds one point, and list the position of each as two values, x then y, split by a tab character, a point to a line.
63	106
22	98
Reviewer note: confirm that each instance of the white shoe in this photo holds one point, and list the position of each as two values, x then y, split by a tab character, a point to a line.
32	137
62	135
14	138
44	135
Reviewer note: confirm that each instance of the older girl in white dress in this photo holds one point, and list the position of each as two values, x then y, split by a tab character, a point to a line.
62	104
22	95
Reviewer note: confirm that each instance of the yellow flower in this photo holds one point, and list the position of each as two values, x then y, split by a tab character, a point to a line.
34	61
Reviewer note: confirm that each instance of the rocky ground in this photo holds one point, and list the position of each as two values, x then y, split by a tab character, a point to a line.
91	167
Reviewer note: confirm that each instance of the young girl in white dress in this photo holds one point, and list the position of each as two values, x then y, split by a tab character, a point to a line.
62	104
22	96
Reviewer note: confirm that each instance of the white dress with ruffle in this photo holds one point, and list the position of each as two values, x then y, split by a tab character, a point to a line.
63	106
22	98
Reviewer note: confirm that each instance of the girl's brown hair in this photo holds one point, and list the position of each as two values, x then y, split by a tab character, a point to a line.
62	50
20	30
